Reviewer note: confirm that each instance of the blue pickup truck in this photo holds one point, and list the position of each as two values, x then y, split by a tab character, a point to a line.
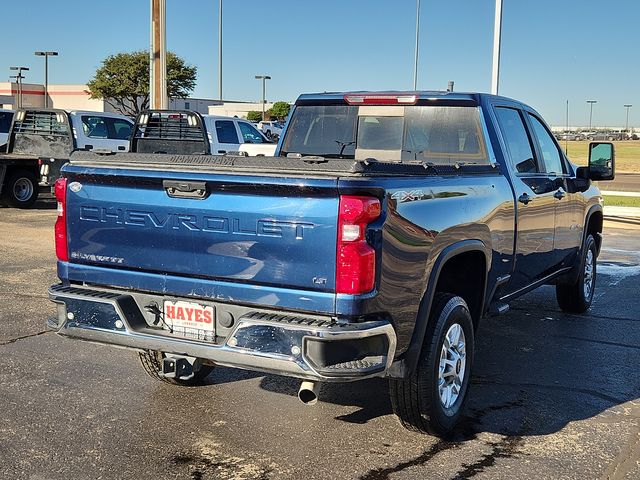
373	242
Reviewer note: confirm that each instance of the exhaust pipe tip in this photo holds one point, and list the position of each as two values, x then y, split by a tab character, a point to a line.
308	392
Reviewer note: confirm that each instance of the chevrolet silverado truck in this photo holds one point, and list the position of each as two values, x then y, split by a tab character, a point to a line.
40	141
371	245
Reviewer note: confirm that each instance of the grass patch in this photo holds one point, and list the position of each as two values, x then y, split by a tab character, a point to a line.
620	201
627	154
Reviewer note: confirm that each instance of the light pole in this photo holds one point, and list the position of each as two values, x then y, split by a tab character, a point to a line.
415	60
46	56
497	36
264	79
591	102
220	50
626	128
19	78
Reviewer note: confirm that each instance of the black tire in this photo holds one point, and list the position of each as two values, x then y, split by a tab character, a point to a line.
573	297
416	400
151	361
20	189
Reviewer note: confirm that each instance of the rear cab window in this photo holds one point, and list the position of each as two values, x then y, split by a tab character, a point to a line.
441	135
226	132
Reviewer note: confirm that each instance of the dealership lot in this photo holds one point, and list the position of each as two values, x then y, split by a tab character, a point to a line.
553	395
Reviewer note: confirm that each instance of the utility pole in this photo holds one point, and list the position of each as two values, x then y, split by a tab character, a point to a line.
591	102
19	78
566	137
497	37
158	55
46	56
415	60
626	128
220	50
264	79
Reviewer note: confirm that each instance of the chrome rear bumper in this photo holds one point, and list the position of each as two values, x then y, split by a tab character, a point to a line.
285	344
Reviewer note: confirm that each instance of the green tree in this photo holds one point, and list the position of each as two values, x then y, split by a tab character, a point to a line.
123	80
280	109
254	116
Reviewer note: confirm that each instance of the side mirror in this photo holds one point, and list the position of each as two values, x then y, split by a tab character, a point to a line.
602	164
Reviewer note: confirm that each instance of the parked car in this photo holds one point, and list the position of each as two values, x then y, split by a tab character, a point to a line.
371	245
603	135
40	141
271	129
5	125
569	136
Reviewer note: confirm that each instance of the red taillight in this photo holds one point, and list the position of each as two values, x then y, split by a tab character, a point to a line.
356	259
62	251
381	99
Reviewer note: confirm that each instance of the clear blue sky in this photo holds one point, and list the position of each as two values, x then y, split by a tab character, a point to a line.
553	50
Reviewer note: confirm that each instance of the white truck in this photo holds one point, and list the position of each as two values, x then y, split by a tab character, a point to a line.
40	141
228	134
271	129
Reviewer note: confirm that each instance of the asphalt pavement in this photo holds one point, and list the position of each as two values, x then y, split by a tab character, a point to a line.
552	396
624	182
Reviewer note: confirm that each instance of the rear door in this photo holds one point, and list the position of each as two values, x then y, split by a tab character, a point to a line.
227	136
535	203
568	204
98	132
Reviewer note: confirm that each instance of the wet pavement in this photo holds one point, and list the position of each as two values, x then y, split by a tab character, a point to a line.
553	396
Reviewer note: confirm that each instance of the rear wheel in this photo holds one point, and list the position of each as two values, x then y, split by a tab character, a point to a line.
576	297
20	189
432	399
152	360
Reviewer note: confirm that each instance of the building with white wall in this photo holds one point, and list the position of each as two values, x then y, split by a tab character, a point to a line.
230	108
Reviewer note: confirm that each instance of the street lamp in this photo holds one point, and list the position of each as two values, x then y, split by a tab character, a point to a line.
46	56
497	36
415	61
591	102
264	79
626	128
19	78
220	50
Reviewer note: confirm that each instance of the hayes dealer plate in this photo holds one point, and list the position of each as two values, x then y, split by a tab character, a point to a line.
190	319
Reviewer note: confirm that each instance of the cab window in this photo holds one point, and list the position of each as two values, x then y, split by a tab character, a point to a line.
548	148
121	129
517	140
250	134
226	131
94	127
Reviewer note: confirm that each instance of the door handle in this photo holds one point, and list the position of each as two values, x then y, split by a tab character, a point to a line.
222	151
559	194
186	189
524	198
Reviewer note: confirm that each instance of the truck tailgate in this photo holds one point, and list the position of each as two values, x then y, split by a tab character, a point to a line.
255	230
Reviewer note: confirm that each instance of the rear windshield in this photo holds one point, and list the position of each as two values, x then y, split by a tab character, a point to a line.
443	135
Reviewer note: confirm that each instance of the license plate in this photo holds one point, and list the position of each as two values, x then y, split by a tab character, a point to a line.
189	318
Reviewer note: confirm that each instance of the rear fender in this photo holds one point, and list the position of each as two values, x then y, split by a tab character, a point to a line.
405	367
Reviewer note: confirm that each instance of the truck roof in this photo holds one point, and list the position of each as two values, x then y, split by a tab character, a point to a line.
474	97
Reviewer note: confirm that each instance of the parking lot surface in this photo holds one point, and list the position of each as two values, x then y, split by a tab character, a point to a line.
553	395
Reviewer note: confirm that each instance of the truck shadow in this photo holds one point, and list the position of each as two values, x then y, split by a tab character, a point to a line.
535	372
